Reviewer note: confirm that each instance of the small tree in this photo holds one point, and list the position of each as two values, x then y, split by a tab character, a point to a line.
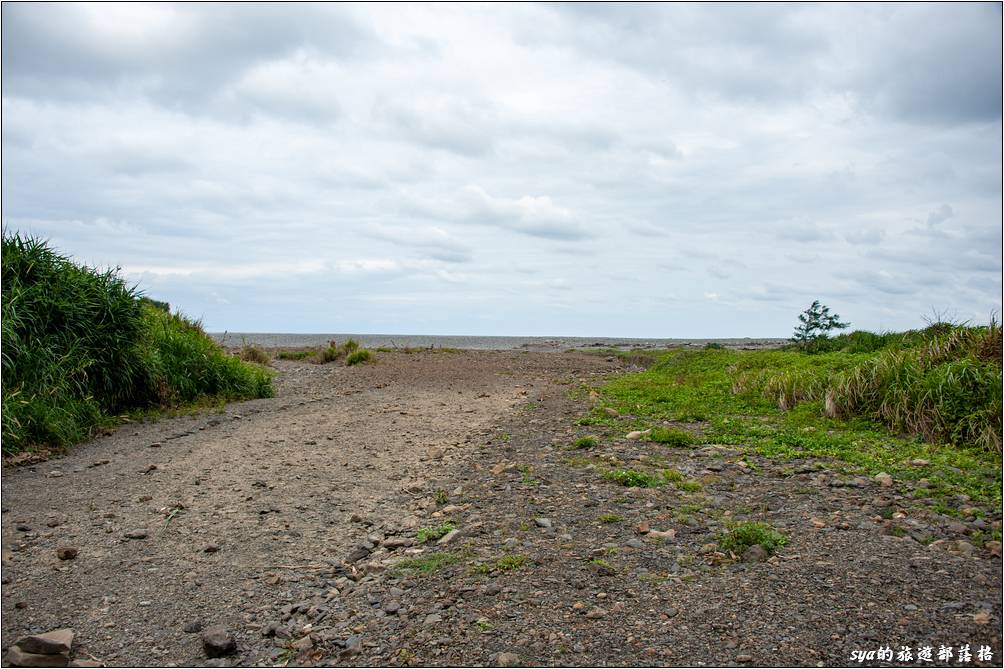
816	323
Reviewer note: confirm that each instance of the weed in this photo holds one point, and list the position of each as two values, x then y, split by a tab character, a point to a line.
632	478
252	353
689	486
359	356
430	533
610	518
296	355
429	564
585	442
741	536
441	497
505	563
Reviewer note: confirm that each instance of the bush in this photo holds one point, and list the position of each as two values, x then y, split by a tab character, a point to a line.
633	479
350	346
585	442
331	354
743	535
357	357
252	353
79	346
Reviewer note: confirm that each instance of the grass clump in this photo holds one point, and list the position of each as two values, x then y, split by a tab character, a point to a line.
80	348
427	534
585	442
253	353
429	564
331	354
504	563
671	437
358	356
610	518
632	478
738	538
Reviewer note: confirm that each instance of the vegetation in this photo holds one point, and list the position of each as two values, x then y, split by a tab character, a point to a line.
431	563
610	518
874	401
80	348
253	353
816	322
671	437
585	442
297	355
741	536
632	478
427	534
358	356
504	563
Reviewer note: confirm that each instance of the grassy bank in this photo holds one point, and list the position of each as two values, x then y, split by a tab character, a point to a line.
80	347
917	405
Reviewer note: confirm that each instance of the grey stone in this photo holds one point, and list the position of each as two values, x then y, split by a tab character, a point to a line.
543	522
66	552
17	657
139	533
49	643
217	641
755	553
433	618
508	660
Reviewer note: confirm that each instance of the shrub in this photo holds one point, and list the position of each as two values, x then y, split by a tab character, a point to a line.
252	353
427	534
331	354
632	478
350	346
585	442
357	357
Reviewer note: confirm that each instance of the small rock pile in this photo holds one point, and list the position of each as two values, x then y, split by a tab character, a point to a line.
51	649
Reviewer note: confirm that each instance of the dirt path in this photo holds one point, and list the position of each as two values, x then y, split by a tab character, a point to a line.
312	499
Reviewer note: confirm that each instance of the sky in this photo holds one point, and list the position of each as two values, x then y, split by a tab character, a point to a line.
672	170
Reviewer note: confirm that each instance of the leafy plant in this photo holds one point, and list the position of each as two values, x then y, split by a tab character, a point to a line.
431	533
816	322
358	356
738	538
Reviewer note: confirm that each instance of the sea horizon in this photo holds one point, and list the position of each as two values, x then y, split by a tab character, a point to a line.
484	342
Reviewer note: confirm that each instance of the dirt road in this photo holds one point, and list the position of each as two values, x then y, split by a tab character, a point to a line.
285	520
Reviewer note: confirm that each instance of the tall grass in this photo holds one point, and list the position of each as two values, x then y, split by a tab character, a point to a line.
79	346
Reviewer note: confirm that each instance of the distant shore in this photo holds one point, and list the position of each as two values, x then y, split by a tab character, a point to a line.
278	340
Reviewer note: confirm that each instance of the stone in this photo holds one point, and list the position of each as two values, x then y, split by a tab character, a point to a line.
755	553
353	645
211	548
671	612
85	663
919	462
883	479
303	645
49	643
635	435
66	552
391	543
433	618
542	522
393	606
595	612
448	537
610	411
508	660
17	657
643	527
193	627
139	533
744	658
218	642
666	535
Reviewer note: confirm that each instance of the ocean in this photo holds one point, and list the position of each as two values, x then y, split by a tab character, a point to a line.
279	340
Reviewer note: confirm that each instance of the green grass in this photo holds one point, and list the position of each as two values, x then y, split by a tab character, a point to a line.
504	563
428	564
358	356
741	536
774	403
610	518
671	437
431	533
632	478
253	353
81	348
585	442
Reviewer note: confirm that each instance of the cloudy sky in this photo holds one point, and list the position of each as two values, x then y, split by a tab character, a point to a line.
629	170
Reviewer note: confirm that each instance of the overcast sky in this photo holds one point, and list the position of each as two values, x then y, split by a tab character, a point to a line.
620	170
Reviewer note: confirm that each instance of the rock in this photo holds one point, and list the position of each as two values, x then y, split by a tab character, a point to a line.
393	606
358	554
353	645
595	612
17	657
448	537
493	589
918	462
634	542
671	612
543	522
637	434
55	474
744	658
613	413
50	643
643	527
53	521
193	627
436	453
390	543
433	618
138	533
303	645
85	663
211	548
498	469
66	552
661	536
755	553
883	479
994	547
217	641
508	660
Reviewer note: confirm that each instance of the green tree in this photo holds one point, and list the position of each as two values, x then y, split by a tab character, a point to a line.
816	323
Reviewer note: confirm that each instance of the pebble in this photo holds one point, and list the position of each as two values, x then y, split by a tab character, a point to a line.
595	612
66	552
193	627
671	612
543	522
885	480
433	618
392	606
755	553
49	643
210	548
16	657
139	533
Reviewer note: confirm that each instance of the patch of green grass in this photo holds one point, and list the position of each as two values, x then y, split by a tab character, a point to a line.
358	356
689	486
428	564
585	442
673	475
671	437
505	563
741	536
741	393
610	518
632	478
441	497
431	533
527	478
